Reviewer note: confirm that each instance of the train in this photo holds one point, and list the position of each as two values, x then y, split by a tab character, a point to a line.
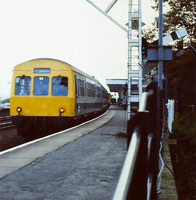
48	93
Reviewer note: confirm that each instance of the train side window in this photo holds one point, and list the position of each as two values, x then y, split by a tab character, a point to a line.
59	86
41	85
23	85
98	92
76	86
90	90
82	88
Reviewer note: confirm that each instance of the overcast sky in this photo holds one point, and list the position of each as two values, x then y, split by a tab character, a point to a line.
70	30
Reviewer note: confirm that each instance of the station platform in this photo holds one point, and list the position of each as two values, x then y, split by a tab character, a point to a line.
78	163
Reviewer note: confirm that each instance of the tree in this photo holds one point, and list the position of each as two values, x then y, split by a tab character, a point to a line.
179	13
182	88
182	80
182	70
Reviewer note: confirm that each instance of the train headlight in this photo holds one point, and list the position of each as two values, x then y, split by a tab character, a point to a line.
19	109
62	110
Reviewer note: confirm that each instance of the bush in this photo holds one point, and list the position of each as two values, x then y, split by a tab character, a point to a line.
185	132
185	129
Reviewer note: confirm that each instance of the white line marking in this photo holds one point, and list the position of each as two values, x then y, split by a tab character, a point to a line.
43	138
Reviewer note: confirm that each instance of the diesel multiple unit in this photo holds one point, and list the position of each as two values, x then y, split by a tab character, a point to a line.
53	92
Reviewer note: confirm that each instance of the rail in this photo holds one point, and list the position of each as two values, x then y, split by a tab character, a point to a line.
144	98
5	118
128	167
138	179
5	122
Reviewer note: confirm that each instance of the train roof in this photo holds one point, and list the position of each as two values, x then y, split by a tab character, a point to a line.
75	69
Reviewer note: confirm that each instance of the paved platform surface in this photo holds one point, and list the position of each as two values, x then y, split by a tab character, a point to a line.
58	168
15	158
82	163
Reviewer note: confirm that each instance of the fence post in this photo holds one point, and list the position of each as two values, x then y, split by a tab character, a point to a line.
138	185
155	129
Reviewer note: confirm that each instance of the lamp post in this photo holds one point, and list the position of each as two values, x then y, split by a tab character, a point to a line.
160	43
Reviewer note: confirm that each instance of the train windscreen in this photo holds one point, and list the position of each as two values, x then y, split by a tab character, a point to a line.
59	86
23	85
41	85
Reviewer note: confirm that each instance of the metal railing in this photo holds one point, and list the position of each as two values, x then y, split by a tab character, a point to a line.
138	179
144	99
128	167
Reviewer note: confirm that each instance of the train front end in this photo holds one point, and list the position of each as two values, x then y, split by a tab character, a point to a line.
43	91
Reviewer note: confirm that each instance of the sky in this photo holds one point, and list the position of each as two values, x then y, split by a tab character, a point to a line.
71	31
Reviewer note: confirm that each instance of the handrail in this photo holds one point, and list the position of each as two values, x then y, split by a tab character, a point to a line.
138	177
143	102
128	167
150	137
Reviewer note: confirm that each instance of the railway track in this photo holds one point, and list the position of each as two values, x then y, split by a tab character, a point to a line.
5	122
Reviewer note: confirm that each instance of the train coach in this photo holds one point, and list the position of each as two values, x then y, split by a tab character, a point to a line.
52	92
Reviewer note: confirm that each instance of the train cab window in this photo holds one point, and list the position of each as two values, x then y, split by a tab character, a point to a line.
59	86
41	85
23	85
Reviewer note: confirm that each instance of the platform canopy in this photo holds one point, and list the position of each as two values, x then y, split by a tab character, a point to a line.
116	85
